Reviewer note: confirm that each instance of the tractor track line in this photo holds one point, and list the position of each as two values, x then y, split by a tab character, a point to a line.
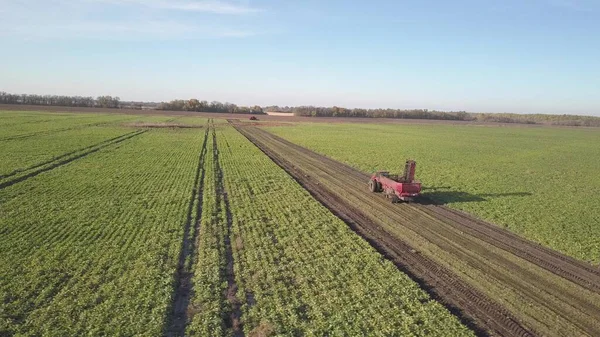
445	242
578	272
573	308
33	122
473	308
64	161
48	132
21	170
542	299
575	271
184	274
233	319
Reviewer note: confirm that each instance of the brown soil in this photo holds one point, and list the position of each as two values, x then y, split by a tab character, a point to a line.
496	281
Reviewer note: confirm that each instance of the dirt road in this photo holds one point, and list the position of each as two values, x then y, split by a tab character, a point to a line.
498	282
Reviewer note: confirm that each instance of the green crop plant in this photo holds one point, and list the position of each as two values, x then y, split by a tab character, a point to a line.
91	247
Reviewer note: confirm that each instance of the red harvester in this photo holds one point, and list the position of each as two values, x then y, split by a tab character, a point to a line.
404	187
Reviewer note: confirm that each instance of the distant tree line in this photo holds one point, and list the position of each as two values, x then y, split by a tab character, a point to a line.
565	120
314	111
310	111
335	111
57	100
116	103
204	106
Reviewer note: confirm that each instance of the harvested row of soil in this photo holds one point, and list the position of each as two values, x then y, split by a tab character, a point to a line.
490	274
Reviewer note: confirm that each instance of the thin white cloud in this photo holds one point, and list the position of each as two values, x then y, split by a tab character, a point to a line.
62	19
217	7
125	31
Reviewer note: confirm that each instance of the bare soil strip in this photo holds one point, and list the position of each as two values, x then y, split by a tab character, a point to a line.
233	321
574	270
65	159
189	251
505	284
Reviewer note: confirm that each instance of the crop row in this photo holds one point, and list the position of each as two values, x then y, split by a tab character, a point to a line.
298	269
91	248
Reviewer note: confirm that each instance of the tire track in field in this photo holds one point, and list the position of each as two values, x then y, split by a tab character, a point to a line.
77	127
68	159
233	318
33	122
473	308
184	274
453	233
578	272
64	155
567	307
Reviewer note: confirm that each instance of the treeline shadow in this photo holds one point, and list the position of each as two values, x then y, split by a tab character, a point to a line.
448	197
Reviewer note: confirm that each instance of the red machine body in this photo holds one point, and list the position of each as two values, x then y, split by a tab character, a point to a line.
404	187
253	118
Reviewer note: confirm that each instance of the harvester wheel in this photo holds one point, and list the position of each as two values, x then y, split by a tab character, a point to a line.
378	187
372	185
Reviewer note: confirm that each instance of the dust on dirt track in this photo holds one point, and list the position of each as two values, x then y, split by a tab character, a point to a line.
496	281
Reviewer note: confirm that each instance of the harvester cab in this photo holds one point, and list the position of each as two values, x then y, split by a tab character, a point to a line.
396	187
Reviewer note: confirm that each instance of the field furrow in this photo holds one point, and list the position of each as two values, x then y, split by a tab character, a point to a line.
559	306
298	269
539	183
233	317
188	255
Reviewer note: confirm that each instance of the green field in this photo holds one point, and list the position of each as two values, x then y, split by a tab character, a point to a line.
95	214
541	183
288	250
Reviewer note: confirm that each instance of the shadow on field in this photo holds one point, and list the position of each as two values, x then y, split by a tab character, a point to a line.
449	197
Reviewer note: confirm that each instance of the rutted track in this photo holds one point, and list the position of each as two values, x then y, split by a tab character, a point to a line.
189	248
463	261
233	319
574	270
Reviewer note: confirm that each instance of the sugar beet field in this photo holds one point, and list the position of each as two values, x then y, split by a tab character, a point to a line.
126	225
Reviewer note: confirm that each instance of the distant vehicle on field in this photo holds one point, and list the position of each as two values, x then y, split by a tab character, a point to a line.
404	187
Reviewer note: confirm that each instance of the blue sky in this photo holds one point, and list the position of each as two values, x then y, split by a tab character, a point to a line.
529	56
